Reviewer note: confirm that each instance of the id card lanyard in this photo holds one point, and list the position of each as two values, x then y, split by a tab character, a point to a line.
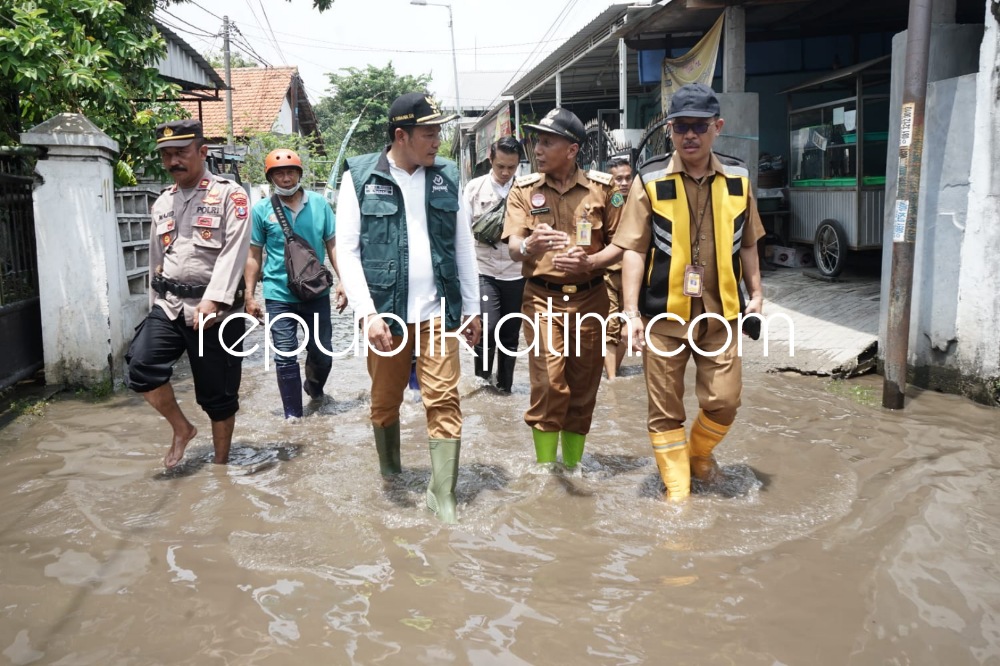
694	273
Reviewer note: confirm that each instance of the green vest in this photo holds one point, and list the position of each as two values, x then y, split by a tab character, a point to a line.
662	287
384	243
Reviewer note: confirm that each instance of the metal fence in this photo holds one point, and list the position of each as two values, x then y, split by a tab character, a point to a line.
20	314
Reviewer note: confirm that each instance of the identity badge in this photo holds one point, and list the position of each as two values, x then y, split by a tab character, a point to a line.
694	282
583	228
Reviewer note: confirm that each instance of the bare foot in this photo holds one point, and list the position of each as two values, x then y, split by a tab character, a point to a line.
176	452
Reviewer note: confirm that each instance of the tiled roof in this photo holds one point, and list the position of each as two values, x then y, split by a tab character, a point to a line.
258	93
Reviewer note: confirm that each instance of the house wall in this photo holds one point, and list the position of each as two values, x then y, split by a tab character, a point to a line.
283	123
947	243
979	281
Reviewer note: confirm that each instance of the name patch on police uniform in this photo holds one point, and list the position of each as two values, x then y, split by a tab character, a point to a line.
206	221
378	190
540	211
666	190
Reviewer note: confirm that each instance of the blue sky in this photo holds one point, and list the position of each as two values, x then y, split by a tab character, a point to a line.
490	35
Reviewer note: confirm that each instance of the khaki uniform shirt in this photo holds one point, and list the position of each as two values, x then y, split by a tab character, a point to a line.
635	230
533	200
480	196
200	238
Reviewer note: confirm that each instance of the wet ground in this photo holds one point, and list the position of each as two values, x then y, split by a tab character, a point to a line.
844	534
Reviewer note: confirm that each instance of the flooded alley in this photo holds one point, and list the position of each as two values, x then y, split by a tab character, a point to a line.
843	534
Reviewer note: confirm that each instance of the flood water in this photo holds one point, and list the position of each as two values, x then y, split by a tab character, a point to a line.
844	534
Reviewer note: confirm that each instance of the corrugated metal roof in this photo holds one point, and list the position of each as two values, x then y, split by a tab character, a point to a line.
592	53
185	66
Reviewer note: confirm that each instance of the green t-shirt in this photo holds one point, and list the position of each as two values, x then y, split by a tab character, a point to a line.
314	222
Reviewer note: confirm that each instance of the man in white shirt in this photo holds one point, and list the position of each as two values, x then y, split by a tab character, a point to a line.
501	285
409	269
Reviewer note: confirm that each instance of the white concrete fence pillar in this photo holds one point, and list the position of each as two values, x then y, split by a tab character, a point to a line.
82	285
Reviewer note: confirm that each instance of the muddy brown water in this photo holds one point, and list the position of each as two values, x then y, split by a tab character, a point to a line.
844	534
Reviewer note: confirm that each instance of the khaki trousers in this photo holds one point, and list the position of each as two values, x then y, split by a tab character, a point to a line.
438	374
564	385
718	379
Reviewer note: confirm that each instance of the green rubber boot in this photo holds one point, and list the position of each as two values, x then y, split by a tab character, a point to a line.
444	474
546	445
387	445
572	446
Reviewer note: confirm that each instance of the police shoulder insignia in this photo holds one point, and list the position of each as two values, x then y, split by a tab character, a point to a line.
600	177
204	183
617	199
530	179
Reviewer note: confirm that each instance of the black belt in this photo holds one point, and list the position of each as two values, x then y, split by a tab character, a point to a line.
162	285
567	288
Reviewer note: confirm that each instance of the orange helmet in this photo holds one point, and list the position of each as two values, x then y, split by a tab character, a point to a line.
281	157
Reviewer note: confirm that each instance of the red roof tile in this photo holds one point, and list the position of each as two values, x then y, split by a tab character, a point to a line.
258	93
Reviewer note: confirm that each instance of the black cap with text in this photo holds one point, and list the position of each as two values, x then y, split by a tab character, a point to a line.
414	109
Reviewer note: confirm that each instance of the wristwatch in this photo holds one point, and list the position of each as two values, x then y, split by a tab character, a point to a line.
524	248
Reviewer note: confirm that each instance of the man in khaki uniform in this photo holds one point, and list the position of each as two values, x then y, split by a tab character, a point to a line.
614	351
559	223
198	247
690	230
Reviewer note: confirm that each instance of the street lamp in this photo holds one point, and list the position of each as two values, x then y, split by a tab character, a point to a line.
454	59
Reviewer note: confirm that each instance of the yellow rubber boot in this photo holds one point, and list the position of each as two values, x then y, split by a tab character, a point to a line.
671	452
705	435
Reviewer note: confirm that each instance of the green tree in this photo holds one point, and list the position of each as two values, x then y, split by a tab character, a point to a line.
259	144
236	59
367	92
95	57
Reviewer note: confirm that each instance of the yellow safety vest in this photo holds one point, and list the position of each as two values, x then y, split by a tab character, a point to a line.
670	249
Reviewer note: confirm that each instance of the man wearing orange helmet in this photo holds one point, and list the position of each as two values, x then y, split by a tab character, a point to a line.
310	217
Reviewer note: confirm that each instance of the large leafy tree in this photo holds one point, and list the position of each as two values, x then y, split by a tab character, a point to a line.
95	57
366	92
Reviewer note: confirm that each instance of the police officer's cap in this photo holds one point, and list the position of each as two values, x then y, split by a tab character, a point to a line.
414	109
562	122
695	100
178	133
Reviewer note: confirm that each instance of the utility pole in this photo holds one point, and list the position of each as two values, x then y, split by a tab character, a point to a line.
229	86
904	233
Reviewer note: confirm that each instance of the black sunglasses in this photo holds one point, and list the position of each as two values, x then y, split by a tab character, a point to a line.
684	128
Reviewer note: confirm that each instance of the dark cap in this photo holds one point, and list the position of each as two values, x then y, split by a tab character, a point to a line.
695	100
178	133
562	122
416	109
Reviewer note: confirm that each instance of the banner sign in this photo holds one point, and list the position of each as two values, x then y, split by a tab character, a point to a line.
695	66
491	131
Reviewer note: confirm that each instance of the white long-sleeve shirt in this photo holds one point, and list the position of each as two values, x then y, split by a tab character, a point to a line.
423	300
481	194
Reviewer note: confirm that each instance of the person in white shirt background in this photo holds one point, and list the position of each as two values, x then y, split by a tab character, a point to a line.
501	285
